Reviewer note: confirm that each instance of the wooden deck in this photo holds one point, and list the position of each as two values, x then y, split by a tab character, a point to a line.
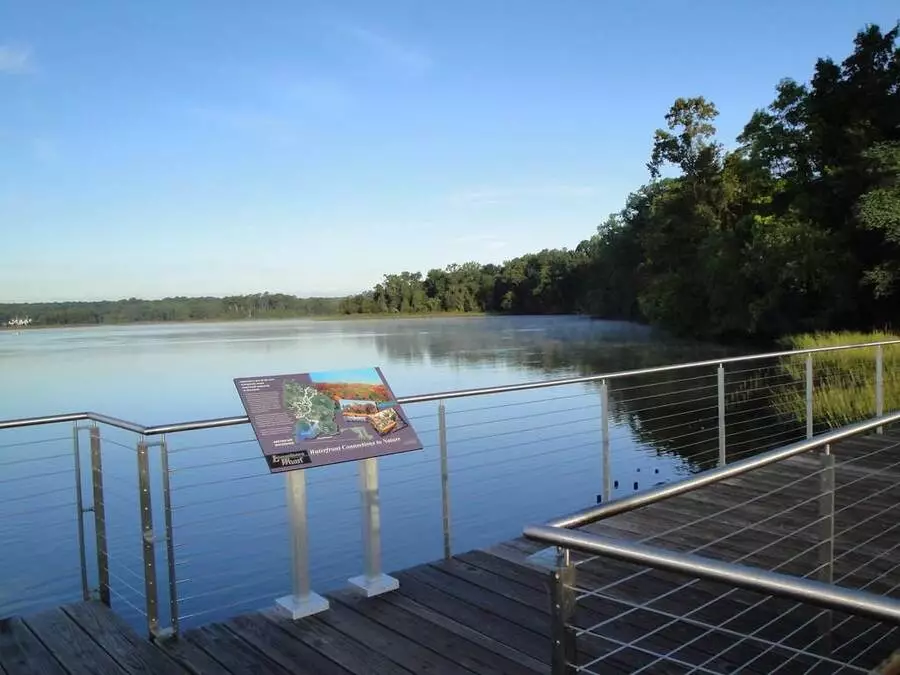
488	611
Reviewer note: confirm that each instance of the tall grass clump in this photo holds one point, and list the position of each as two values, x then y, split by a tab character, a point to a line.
843	381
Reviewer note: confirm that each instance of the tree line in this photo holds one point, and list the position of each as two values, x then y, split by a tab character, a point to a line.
133	310
795	229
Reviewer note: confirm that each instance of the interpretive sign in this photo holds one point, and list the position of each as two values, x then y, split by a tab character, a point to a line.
312	419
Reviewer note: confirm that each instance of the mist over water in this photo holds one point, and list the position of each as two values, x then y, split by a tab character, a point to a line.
514	458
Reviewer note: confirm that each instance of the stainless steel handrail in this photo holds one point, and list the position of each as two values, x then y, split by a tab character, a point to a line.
764	581
560	533
425	398
595	513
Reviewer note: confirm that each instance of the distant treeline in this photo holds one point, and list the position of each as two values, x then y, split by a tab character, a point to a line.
795	230
133	310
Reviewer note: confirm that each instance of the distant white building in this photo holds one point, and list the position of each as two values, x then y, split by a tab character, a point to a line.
19	323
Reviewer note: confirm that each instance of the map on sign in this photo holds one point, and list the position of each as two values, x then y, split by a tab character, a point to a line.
314	419
313	410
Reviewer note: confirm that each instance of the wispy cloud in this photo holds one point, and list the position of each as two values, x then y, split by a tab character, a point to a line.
15	59
314	93
504	195
404	56
272	127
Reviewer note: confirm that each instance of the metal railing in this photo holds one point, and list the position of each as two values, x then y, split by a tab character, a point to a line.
857	581
193	527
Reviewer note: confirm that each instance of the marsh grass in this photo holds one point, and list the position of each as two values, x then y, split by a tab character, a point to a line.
843	381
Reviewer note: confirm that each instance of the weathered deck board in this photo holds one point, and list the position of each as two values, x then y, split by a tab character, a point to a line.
72	646
133	654
488	612
22	653
232	654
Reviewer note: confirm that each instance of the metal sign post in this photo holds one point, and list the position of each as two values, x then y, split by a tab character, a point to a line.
373	582
303	601
306	420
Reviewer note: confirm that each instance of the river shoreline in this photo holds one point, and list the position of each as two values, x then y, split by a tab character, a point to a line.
323	317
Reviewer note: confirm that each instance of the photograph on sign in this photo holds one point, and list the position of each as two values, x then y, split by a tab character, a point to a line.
306	420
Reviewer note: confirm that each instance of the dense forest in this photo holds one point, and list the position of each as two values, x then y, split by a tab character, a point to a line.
795	229
258	306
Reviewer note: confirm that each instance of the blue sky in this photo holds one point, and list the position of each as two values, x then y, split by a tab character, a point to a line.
222	146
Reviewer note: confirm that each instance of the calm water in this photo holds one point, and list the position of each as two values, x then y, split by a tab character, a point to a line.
514	458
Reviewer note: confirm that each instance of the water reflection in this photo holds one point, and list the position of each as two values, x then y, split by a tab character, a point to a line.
514	458
672	412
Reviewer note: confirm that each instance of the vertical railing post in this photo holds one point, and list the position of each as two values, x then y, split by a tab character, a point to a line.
170	541
604	441
302	601
147	538
79	506
374	581
445	479
99	508
879	385
826	535
721	391
809	396
562	613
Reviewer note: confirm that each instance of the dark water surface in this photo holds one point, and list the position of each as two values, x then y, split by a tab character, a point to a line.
514	458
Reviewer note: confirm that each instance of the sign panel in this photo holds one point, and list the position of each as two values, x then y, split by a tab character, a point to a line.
312	419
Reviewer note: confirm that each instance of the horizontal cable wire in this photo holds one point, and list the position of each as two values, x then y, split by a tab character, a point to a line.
70	471
119	580
43	458
648	421
680	403
176	450
221	481
500	434
227	590
614	382
528	416
769	446
458	411
236	603
266	556
35	495
703	420
107	440
769	442
258	533
205	465
40	441
40	509
666	393
121	598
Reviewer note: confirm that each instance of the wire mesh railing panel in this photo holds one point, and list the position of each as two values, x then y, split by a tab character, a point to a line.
829	516
38	493
672	623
